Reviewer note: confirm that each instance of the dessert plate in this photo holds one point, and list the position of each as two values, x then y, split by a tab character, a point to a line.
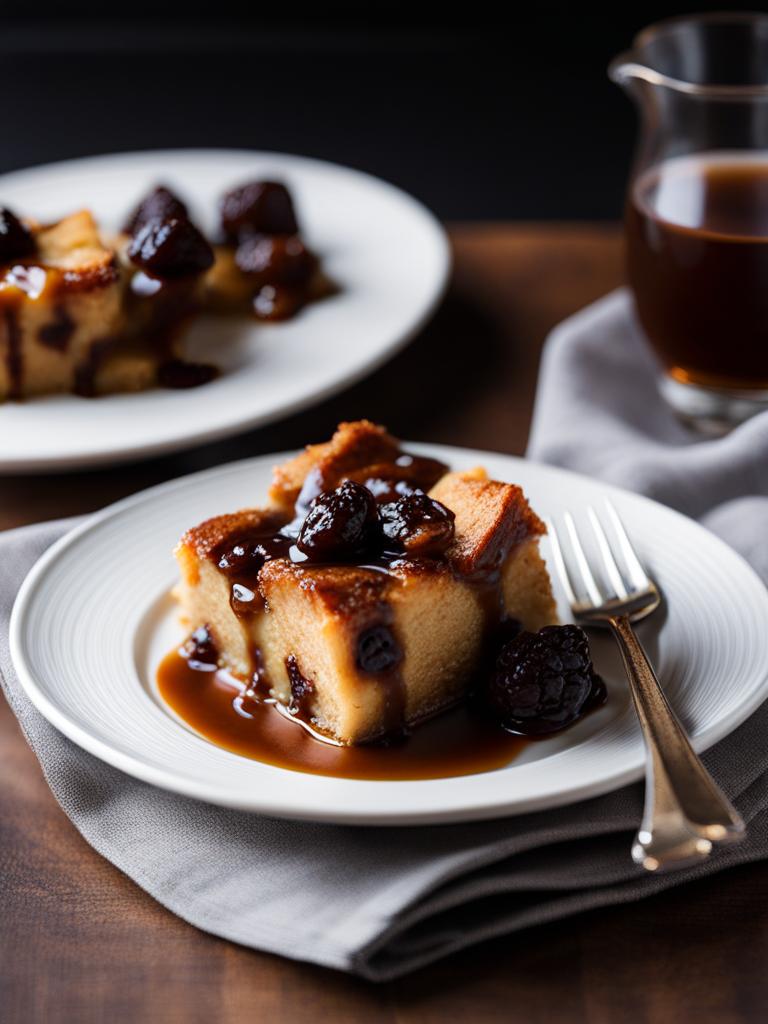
385	251
94	618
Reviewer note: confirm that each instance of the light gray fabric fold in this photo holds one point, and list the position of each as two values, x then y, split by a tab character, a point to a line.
598	411
383	902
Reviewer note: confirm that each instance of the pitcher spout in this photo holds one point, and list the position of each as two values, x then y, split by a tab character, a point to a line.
675	57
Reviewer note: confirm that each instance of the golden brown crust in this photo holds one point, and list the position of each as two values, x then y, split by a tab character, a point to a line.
72	257
352	447
60	283
344	591
209	535
90	278
491	519
74	247
74	233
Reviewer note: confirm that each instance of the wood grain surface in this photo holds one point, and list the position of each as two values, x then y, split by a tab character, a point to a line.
80	942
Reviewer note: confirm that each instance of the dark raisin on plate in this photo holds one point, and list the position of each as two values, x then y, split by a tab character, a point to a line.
160	203
417	524
544	681
342	525
16	240
170	248
258	207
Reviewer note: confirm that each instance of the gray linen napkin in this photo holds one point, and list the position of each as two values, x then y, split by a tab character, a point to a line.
383	902
598	411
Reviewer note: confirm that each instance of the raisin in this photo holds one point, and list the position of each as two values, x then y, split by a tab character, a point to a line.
170	248
16	240
544	681
259	207
377	650
160	204
341	525
418	524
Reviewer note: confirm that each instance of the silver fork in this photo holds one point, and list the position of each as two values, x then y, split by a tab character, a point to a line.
685	812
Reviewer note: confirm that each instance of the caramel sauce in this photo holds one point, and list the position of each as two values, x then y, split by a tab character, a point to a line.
456	742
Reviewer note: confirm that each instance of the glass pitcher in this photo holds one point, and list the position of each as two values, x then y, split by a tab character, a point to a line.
697	210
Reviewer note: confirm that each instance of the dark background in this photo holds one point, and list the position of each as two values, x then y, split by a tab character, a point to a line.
481	116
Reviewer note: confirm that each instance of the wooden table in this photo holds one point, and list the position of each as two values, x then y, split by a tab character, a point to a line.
80	942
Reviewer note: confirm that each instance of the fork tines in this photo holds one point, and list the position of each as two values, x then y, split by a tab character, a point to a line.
623	575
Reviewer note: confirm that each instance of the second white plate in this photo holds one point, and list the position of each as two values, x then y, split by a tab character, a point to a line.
387	253
94	618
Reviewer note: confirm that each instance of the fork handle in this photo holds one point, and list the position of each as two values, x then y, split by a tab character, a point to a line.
685	812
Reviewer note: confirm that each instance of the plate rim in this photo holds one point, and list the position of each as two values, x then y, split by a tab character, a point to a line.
166	779
127	453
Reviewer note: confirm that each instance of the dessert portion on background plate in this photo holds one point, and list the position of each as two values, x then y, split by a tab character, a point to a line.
374	589
92	313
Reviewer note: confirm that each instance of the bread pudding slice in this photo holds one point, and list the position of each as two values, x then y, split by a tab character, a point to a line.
365	645
76	314
58	306
93	315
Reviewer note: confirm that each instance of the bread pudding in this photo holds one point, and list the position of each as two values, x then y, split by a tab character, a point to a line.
59	298
362	596
92	313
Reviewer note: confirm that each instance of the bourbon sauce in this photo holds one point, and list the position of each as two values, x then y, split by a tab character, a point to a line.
460	741
697	247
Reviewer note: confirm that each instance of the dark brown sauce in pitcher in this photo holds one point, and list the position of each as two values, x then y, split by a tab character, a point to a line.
697	247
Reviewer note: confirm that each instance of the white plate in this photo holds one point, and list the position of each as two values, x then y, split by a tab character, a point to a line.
94	618
386	252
